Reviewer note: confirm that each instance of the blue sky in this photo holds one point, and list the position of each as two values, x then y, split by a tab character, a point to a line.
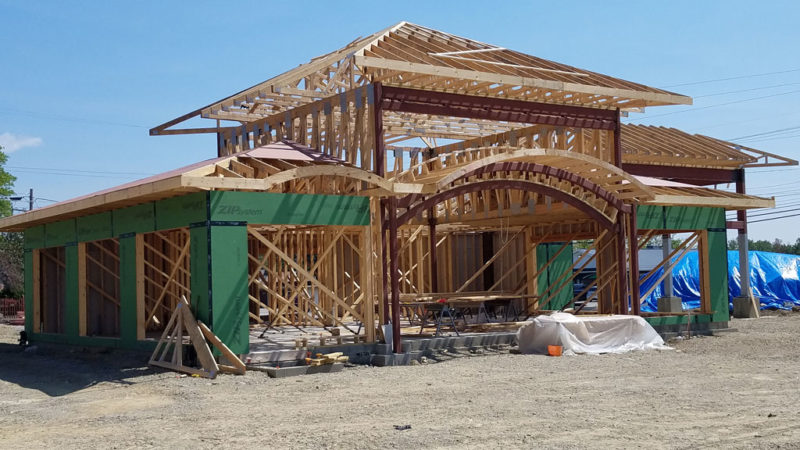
82	82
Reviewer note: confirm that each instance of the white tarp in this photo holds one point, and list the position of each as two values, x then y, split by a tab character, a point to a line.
588	334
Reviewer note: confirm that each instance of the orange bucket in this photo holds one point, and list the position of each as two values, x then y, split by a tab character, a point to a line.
554	350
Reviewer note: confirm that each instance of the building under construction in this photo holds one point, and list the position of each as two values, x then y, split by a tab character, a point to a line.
409	166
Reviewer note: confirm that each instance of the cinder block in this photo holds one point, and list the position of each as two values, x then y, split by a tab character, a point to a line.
743	308
670	304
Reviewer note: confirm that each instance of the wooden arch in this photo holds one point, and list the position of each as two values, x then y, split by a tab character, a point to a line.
325	170
561	159
458	164
523	185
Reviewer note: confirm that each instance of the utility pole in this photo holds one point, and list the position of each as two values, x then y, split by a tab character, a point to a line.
30	200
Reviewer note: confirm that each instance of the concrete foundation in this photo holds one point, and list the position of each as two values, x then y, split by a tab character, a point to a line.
670	305
696	329
743	308
288	362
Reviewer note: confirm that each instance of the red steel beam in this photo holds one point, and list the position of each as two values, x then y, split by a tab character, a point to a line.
472	107
735	225
691	175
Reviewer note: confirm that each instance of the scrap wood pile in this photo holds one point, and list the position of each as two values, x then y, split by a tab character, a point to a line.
182	330
327	358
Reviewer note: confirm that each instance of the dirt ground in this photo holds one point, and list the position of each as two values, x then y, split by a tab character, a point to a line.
739	389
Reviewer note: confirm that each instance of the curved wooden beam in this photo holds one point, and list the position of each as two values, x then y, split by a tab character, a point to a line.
528	186
527	153
561	174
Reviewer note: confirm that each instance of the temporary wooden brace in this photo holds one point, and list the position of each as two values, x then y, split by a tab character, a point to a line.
169	350
237	366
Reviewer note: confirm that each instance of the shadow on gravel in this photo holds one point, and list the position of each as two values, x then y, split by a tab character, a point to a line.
58	371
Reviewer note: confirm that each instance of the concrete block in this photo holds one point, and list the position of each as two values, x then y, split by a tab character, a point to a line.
743	308
670	304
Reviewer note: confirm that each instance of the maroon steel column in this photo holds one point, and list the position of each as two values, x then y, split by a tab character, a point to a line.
384	262
621	265
633	243
393	274
432	245
622	304
380	151
744	258
379	170
618	141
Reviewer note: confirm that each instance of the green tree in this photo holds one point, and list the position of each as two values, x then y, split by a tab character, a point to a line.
6	186
12	265
11	253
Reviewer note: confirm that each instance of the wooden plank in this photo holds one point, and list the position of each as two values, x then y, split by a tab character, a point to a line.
37	290
238	365
512	80
82	288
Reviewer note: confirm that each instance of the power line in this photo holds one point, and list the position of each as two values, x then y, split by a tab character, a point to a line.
777	138
772	213
745	90
757	188
770	117
104	172
68	119
773	218
765	133
758	211
755	170
692	83
714	106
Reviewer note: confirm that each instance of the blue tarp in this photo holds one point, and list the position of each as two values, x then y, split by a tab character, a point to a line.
774	278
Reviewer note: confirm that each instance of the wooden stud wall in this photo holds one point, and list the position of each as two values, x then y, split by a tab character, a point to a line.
99	288
166	275
52	290
312	277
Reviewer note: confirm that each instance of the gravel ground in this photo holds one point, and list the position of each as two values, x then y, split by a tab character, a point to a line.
736	390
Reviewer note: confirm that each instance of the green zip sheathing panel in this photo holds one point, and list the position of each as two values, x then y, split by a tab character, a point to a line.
649	217
229	306
545	252
199	272
180	211
127	290
123	224
89	341
718	274
135	219
60	233
28	273
218	253
289	209
681	320
94	227
691	218
34	238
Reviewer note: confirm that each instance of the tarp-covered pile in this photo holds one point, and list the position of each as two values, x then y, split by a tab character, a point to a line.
588	334
774	278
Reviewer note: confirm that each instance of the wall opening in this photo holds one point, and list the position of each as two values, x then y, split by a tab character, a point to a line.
165	260
102	292
52	289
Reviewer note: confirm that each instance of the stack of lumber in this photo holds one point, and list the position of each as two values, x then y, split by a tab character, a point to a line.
327	358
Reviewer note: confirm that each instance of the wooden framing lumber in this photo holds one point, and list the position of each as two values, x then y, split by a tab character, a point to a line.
168	353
